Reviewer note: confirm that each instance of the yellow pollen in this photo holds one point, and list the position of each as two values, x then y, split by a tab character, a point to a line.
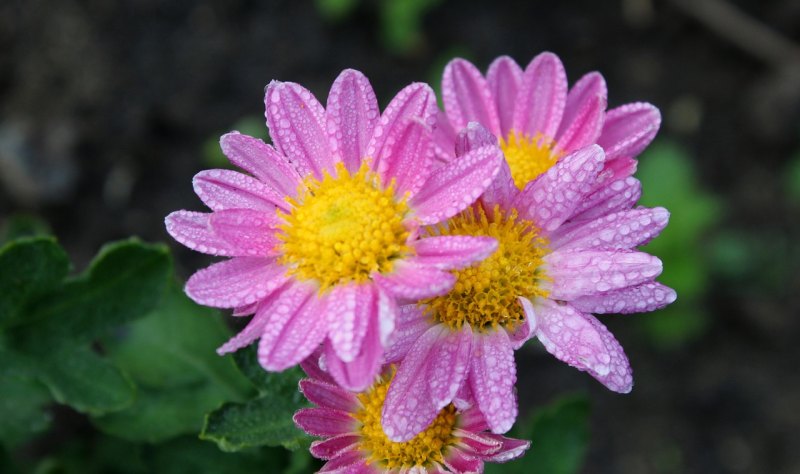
485	295
343	227
422	450
528	157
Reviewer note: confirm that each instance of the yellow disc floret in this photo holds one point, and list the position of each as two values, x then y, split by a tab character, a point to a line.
485	295
422	450
343	227
528	157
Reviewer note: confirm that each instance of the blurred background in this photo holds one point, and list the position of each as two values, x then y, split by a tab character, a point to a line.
107	110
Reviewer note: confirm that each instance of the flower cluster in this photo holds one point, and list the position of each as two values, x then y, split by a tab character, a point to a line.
401	257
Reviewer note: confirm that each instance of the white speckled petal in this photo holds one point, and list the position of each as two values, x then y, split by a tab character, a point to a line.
449	252
351	114
466	96
250	233
193	230
359	373
577	273
349	307
262	161
583	342
541	98
636	299
615	196
235	282
583	114
415	282
226	189
553	197
444	139
628	129
449	365
620	230
456	185
296	123
492	377
504	78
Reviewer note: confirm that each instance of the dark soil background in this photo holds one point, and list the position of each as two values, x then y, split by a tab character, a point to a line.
105	109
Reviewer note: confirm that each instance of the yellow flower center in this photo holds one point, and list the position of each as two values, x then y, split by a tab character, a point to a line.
485	295
343	227
528	157
424	449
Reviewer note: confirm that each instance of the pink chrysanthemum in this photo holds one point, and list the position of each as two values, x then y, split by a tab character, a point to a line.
456	441
566	248
537	119
324	235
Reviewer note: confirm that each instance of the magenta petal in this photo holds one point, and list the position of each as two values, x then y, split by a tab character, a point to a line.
621	230
476	443
225	189
245	310
460	462
411	324
449	252
511	449
466	96
616	196
444	138
408	408
326	395
552	198
254	328
504	78
472	419
334	447
628	129
351	113
347	462
456	185
472	137
577	273
583	114
324	421
583	342
358	374
350	307
541	98
297	325
524	331
235	282
402	147
262	161
311	366
635	299
415	282
492	375
296	123
248	232
449	364
193	230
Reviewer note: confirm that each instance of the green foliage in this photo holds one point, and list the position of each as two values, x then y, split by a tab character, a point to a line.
401	22
792	176
265	420
559	434
669	180
335	10
23	225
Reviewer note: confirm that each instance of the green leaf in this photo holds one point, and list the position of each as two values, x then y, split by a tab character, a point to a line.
22	401
401	23
28	268
335	10
171	356
262	421
559	434
19	226
190	456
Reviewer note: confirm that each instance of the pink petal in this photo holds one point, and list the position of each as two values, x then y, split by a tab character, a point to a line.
477	444
262	161
225	189
616	196
449	252
472	137
296	123
511	449
628	129
635	299
235	282
460	462
449	364
326	395
473	420
411	324
408	408
415	282
444	138
192	230
456	185
324	421
297	325
351	113
347	462
577	273
621	230
551	199
504	78
584	113
492	376
248	232
524	331
583	342
311	366
245	310
254	328
402	142
350	308
466	96
334	447
618	168
360	373
541	97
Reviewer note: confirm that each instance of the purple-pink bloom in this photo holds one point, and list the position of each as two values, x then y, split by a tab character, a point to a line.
323	234
566	248
353	441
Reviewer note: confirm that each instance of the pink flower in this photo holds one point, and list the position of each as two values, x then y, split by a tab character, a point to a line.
566	249
323	237
354	442
537	119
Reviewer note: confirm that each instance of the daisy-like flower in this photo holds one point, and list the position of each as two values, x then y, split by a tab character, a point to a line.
456	441
324	235
565	250
538	119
